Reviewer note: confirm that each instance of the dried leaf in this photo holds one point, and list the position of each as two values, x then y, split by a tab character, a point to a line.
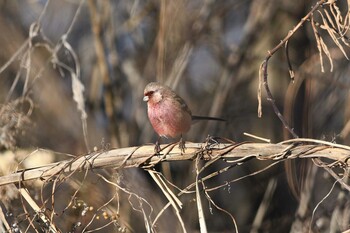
331	33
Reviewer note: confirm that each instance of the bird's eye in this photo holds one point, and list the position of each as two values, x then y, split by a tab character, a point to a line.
149	93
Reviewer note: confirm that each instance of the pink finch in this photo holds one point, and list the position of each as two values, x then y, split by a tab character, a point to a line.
168	112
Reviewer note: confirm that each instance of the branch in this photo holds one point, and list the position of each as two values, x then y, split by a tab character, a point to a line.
144	157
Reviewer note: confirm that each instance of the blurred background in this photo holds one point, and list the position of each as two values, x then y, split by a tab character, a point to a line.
69	67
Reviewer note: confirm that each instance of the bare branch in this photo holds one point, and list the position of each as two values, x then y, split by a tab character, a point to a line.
144	157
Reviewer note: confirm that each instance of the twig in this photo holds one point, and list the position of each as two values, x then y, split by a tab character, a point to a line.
201	218
172	198
38	211
257	137
222	210
290	68
263	70
3	220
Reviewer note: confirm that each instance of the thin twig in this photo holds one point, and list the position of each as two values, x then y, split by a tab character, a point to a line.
201	218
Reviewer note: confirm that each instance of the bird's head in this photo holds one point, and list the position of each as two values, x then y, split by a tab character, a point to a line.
153	93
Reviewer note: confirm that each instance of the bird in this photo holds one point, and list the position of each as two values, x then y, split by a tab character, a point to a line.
168	113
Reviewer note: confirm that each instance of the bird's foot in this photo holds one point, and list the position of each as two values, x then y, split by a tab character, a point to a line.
182	146
157	148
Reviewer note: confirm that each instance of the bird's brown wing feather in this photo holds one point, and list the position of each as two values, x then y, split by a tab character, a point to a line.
182	103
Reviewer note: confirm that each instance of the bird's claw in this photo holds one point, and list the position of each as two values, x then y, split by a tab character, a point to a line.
157	148
182	146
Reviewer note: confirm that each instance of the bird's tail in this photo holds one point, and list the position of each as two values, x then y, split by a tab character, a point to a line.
206	118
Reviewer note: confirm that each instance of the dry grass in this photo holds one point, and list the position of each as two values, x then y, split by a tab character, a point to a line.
71	81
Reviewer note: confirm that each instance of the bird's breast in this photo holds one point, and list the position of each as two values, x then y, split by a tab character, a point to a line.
169	119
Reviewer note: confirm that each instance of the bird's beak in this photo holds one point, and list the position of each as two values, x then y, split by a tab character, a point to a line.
146	98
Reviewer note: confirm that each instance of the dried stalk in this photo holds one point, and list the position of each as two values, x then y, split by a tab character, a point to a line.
144	157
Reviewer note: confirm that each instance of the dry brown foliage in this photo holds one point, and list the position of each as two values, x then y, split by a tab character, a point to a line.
71	80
